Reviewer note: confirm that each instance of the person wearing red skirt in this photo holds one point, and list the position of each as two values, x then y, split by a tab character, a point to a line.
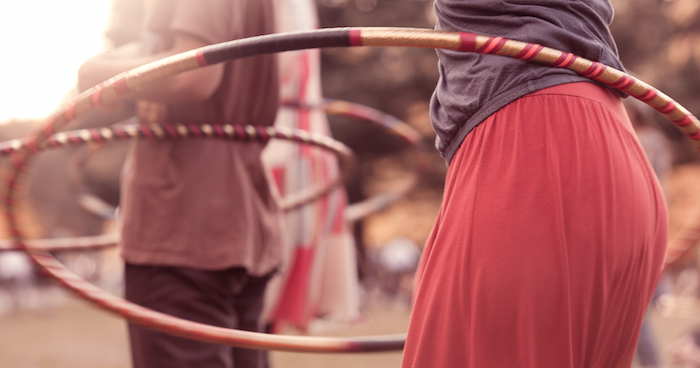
552	232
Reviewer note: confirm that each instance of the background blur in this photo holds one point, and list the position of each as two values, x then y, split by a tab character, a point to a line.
43	43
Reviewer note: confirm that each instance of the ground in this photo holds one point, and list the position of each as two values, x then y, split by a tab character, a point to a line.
77	335
58	331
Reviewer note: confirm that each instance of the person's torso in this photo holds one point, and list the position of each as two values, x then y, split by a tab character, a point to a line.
473	86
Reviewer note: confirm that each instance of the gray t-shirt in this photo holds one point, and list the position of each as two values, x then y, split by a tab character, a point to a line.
474	86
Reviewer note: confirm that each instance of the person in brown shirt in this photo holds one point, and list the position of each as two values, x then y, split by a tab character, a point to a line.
201	233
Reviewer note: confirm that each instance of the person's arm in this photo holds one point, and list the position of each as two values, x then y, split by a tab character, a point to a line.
192	86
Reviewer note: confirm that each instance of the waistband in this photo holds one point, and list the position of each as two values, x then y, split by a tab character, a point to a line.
587	90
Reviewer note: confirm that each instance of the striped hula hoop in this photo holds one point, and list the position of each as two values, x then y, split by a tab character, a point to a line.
220	131
353	212
391	125
123	85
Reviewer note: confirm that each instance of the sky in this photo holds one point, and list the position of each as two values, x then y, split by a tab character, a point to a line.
42	44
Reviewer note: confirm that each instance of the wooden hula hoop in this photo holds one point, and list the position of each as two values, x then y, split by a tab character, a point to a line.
179	131
123	84
353	212
391	125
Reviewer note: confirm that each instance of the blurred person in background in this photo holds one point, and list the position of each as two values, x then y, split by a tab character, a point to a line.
686	352
318	278
654	142
201	232
16	275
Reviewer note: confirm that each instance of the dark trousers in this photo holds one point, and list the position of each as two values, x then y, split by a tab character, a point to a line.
228	298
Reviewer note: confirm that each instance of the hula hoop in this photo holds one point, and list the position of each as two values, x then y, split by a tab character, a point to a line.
353	212
123	84
390	124
177	131
59	244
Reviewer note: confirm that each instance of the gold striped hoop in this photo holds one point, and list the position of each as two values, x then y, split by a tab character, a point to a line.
353	212
123	85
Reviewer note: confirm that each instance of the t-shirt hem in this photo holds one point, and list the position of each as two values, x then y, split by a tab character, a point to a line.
178	260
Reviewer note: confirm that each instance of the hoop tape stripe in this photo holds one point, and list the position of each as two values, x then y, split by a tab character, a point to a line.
96	94
201	61
467	42
120	87
647	96
529	51
594	71
492	45
355	37
683	122
623	83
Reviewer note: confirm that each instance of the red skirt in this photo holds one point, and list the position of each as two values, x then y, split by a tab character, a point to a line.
549	241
